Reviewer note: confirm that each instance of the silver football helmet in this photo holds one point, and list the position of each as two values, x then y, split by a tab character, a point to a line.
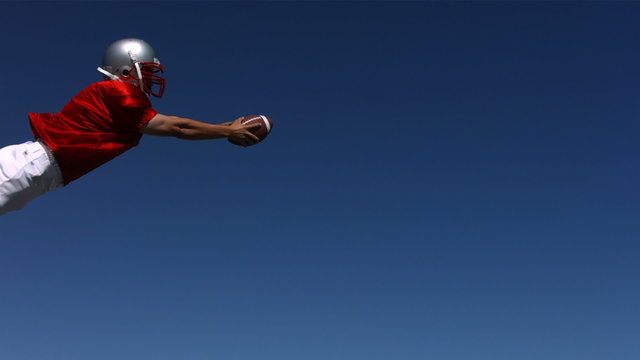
134	61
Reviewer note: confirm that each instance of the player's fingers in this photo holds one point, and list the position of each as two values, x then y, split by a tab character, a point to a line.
253	126
236	122
253	137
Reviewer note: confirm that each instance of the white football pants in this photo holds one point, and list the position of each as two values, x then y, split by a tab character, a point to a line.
26	172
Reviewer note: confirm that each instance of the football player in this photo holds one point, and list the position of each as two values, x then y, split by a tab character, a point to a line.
103	121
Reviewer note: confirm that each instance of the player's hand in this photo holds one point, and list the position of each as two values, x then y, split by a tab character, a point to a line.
241	134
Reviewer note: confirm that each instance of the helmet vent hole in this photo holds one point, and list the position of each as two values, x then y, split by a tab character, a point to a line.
125	72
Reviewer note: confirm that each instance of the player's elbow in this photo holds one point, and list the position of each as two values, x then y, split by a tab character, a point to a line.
177	131
181	128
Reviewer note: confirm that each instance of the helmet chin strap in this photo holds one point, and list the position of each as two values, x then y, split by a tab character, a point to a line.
136	64
140	79
108	74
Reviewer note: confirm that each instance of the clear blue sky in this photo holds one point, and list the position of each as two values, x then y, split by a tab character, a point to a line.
448	180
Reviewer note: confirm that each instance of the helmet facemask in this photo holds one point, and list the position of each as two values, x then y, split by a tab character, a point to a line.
147	72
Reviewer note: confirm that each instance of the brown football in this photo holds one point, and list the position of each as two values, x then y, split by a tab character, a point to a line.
266	124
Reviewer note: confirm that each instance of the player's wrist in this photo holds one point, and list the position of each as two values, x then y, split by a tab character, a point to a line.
217	131
225	130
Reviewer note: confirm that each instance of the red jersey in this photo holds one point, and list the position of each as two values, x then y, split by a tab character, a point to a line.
98	124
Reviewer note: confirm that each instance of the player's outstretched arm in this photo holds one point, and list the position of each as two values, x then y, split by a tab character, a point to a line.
188	129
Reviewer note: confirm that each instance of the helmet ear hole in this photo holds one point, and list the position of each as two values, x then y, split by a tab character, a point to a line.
125	72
